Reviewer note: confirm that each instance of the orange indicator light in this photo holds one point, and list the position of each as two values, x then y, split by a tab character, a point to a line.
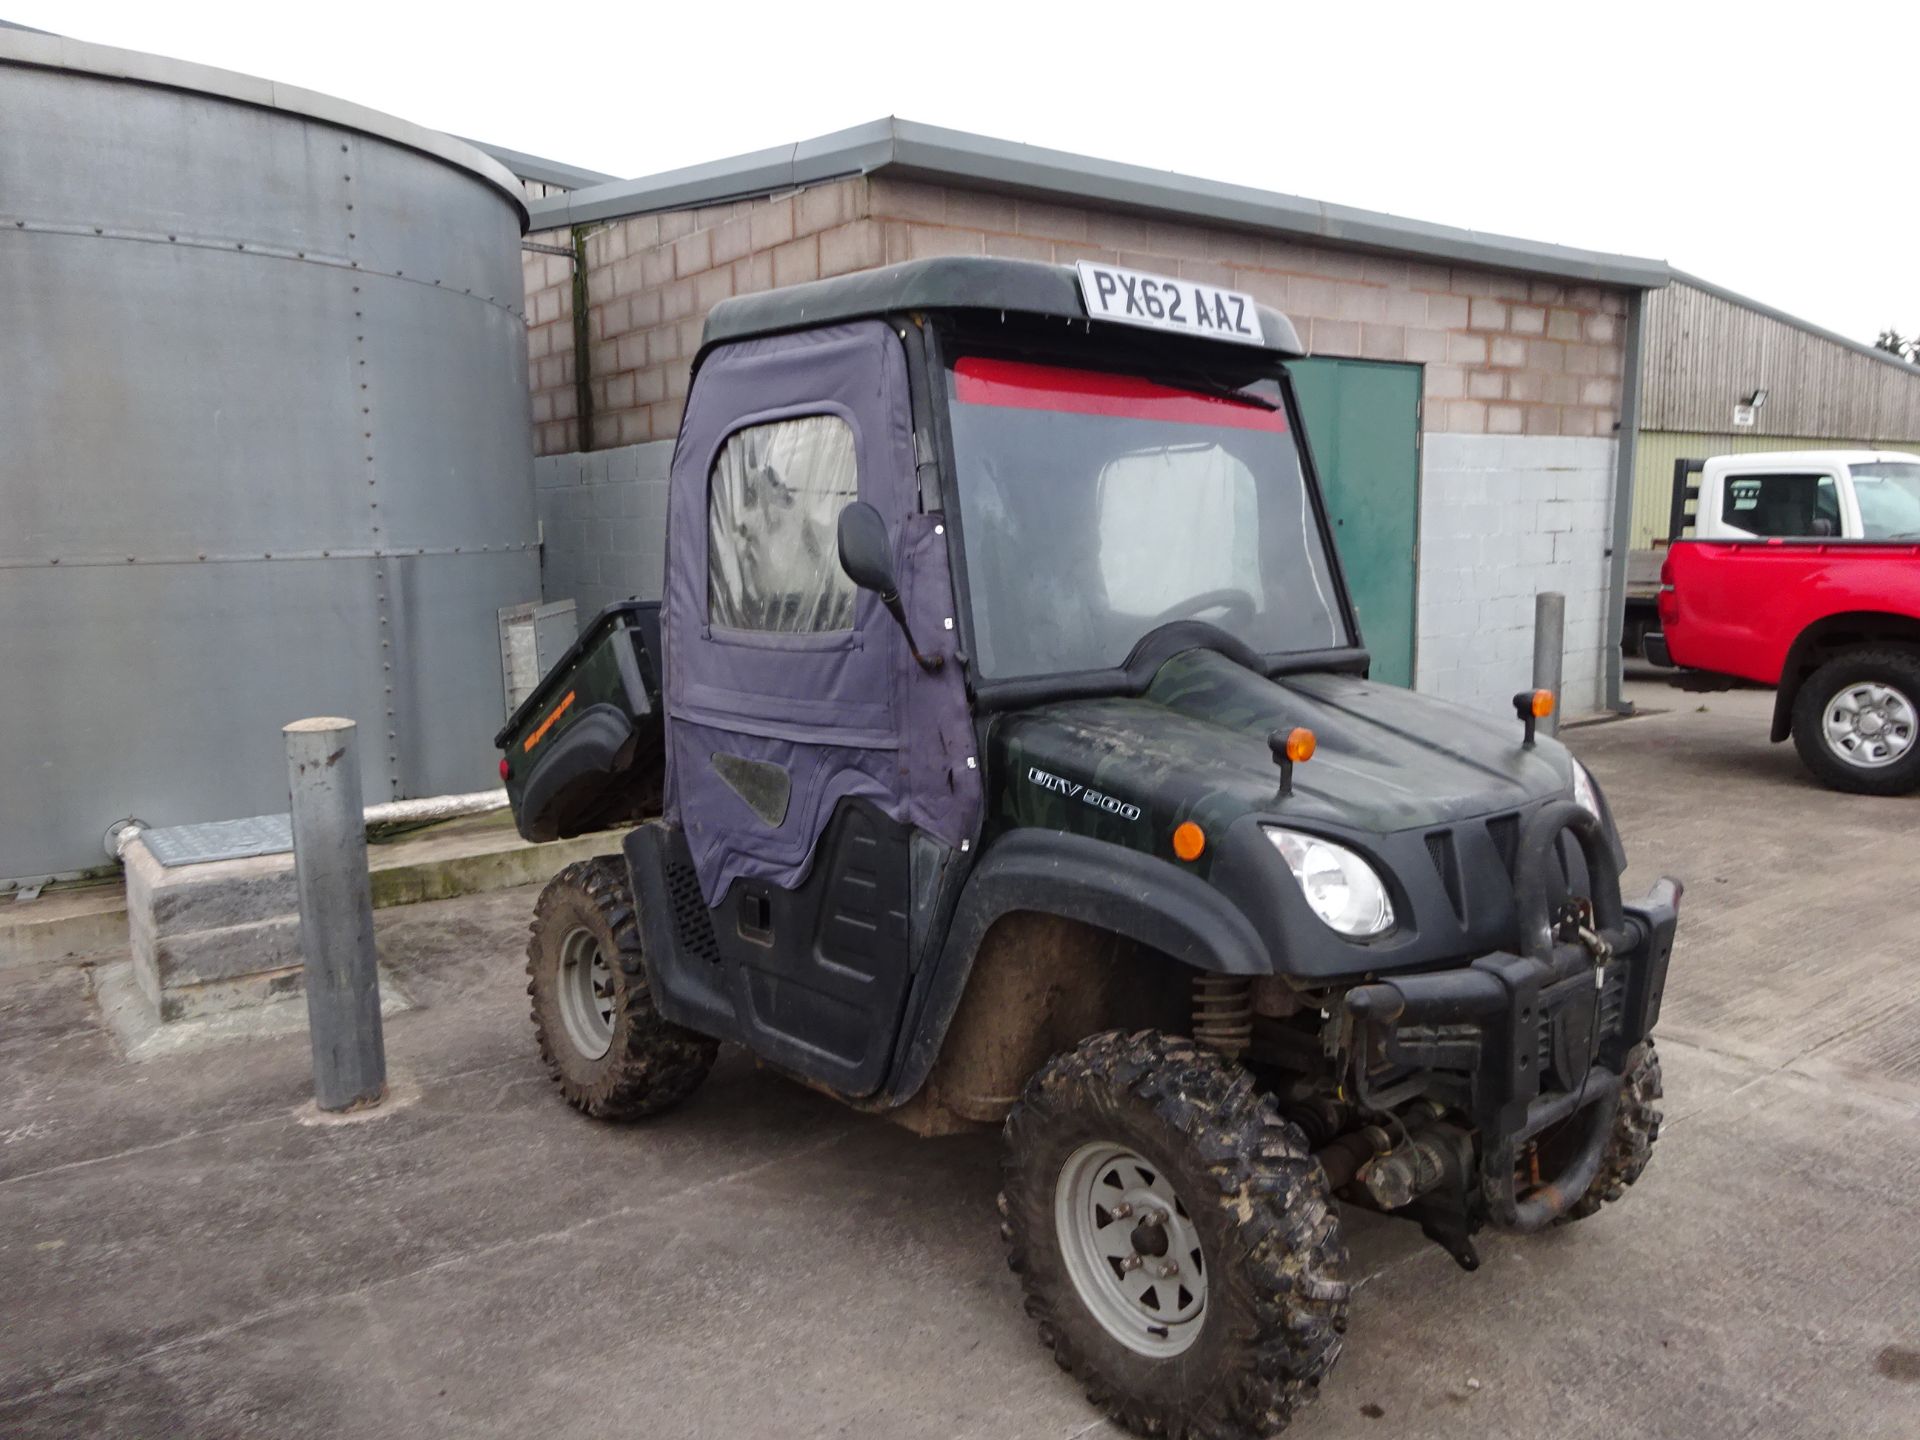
1542	704
1300	744
1189	840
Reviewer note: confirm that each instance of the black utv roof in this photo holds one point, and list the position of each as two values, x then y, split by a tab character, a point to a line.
955	282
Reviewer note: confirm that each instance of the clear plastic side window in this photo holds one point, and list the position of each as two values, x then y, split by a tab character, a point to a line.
774	502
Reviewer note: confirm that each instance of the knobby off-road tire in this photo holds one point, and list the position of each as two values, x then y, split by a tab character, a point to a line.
589	989
1635	1127
1891	675
1245	1192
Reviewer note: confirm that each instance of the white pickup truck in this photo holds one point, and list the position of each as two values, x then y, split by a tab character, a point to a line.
1779	494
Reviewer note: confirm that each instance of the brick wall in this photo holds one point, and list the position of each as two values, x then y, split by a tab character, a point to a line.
1503	355
550	348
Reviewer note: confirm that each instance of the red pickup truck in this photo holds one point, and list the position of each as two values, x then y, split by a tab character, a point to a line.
1834	624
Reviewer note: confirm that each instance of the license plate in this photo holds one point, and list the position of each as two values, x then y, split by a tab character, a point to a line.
1161	302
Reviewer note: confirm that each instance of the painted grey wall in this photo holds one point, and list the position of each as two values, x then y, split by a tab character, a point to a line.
1503	517
603	524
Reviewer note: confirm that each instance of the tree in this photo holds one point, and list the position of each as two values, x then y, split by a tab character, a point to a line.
1894	343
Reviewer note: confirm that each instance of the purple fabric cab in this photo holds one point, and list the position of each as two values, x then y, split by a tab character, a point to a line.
814	716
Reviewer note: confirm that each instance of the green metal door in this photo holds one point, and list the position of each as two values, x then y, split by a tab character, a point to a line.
1363	422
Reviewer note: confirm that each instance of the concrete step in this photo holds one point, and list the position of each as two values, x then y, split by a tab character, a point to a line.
456	857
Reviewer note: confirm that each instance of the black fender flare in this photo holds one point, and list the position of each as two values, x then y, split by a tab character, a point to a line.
588	750
1079	878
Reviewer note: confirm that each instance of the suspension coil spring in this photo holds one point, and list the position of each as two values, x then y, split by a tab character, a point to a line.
1223	1012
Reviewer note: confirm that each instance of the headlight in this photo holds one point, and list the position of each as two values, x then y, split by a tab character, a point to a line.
1584	795
1342	888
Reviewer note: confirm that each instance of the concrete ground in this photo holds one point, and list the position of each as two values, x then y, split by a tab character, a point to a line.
185	1251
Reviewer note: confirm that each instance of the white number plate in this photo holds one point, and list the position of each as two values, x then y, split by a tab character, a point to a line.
1160	302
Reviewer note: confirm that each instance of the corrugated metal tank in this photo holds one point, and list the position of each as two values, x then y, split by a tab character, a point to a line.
267	453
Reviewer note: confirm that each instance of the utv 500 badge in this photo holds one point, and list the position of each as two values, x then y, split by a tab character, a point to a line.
1003	754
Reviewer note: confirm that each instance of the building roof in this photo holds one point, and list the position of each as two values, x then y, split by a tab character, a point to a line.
1760	307
539	169
908	150
954	282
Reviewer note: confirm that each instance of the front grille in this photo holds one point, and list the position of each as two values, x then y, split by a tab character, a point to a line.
1504	831
1613	1001
1447	863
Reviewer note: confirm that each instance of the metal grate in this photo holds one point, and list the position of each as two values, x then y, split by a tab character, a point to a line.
220	840
692	921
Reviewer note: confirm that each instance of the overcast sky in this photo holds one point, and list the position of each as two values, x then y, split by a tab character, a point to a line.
1766	147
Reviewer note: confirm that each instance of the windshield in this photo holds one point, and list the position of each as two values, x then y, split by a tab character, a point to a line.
1097	507
1888	492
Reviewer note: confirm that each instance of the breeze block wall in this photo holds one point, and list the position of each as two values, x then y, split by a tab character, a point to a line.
1522	364
603	524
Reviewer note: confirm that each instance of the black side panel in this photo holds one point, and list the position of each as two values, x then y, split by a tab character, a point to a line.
810	979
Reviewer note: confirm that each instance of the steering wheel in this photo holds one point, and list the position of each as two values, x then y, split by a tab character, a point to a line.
1236	603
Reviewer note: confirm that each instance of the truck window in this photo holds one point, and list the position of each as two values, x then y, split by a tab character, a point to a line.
1790	506
1098	506
774	498
1888	493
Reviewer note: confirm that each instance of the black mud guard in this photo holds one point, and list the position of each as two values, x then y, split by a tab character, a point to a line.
1079	878
579	762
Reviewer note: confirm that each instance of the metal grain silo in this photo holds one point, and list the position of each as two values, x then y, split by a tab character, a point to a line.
264	444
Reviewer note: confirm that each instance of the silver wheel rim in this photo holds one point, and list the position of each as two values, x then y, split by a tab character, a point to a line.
586	994
1870	725
1131	1249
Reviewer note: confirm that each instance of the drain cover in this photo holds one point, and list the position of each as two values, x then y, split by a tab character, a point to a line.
220	840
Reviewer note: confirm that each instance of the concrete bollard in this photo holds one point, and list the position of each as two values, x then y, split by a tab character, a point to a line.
1549	649
336	914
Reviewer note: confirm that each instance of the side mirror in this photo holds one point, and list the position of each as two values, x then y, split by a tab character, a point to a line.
865	553
867	556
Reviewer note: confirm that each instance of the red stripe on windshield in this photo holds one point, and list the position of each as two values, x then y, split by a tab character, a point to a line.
1016	385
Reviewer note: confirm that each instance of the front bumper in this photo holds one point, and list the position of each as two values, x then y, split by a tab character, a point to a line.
1653	645
1527	1044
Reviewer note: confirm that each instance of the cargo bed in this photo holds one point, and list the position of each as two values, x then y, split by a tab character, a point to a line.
584	750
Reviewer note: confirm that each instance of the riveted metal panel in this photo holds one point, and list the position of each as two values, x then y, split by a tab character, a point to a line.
267	451
159	690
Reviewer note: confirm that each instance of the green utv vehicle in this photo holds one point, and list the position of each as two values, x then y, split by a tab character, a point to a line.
1003	754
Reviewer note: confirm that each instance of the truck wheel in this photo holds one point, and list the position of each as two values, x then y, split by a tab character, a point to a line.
1174	1238
1856	722
610	1051
1635	1128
